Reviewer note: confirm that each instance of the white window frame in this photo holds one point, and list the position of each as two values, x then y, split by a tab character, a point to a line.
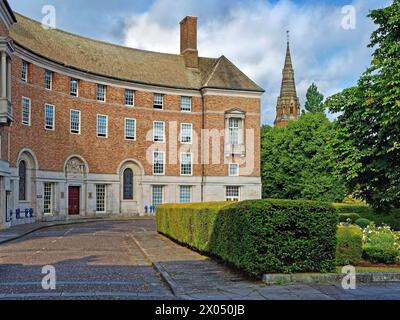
231	197
133	98
237	169
53	121
46	72
154	131
234	130
101	135
29	120
70	121
158	105
24	72
162	188
104	204
74	94
125	129
163	164
191	133
46	198
181	164
190	104
190	188
104	92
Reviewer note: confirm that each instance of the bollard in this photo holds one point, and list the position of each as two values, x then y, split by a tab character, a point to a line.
17	213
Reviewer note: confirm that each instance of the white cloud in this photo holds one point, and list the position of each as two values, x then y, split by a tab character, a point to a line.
252	35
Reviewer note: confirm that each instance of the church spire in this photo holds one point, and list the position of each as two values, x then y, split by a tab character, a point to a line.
288	58
288	106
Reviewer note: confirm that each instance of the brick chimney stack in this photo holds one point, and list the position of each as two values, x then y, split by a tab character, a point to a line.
189	42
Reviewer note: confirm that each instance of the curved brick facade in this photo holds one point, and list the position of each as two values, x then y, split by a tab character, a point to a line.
95	173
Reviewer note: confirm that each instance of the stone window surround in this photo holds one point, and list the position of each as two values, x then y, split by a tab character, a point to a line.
126	184
22	175
235	149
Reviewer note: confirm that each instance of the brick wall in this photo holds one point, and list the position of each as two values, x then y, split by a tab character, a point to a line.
104	155
217	121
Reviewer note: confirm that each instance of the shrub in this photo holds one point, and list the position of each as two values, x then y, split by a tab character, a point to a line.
190	224
344	217
363	223
362	210
381	244
258	236
349	245
384	254
390	218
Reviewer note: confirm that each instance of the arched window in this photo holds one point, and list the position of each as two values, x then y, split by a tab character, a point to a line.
128	184
22	180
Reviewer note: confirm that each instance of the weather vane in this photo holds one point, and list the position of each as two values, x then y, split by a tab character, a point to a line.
288	35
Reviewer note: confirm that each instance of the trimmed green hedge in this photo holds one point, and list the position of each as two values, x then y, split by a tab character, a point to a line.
349	245
260	236
391	218
190	224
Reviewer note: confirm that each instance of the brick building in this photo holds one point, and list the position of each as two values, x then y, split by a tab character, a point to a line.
90	128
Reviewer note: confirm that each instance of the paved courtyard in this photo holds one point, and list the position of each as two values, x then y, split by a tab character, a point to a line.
129	260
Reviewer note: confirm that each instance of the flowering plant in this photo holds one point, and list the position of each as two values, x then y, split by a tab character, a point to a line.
381	244
371	232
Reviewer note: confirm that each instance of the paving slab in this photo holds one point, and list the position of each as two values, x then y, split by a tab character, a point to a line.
113	260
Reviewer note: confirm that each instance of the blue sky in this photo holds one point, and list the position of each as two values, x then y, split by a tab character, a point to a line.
250	33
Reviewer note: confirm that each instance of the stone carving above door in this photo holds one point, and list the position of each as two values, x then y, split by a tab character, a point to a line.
75	169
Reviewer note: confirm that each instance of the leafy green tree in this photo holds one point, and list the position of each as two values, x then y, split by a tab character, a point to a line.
314	102
368	150
297	161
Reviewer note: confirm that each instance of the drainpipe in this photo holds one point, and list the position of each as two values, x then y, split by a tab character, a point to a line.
202	144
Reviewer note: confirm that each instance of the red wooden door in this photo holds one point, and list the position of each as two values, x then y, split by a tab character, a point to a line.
73	200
